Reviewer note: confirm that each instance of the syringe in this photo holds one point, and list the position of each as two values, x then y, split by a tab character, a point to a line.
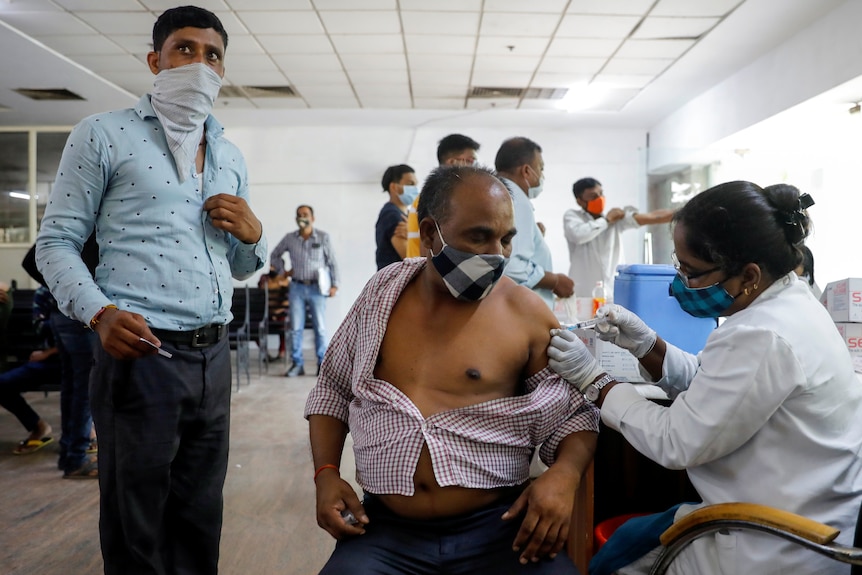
586	324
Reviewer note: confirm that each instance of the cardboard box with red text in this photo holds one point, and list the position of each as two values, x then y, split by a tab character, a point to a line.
852	335
844	300
618	362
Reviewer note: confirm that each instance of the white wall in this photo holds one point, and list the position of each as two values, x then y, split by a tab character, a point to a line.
337	170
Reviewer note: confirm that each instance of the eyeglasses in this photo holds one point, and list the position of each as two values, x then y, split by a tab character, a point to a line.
686	278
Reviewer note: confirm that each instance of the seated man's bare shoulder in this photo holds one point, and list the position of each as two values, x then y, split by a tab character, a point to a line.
534	320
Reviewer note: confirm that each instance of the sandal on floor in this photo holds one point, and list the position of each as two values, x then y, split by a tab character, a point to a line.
89	470
29	446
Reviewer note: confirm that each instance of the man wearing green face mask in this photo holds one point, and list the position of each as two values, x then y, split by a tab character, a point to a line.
311	257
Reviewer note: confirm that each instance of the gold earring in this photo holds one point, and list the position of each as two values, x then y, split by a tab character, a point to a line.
755	287
746	291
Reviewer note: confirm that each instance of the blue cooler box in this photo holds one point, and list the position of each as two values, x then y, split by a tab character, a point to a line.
643	289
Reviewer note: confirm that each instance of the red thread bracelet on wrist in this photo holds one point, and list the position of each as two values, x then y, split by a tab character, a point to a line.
322	467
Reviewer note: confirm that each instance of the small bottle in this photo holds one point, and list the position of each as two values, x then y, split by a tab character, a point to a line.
598	296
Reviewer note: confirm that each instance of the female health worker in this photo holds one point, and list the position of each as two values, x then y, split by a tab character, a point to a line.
769	412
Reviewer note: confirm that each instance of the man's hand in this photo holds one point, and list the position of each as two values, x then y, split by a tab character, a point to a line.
548	503
625	329
615	215
564	287
233	215
570	358
332	291
120	333
334	495
400	231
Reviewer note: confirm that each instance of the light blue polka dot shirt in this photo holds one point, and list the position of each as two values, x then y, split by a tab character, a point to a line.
159	254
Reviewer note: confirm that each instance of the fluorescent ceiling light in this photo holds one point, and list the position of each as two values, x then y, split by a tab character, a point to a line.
19	195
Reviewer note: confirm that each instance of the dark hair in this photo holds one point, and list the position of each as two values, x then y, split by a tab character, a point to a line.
738	223
310	209
454	144
394	174
807	263
173	19
515	152
584	184
438	188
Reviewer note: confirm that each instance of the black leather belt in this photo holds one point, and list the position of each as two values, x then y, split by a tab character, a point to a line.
306	282
200	337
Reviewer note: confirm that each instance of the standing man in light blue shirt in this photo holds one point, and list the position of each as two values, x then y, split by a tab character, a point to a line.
167	196
520	166
311	256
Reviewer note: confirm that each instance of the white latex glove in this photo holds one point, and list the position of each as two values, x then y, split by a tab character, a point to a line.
569	357
625	329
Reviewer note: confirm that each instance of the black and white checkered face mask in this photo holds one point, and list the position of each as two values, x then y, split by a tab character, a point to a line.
468	276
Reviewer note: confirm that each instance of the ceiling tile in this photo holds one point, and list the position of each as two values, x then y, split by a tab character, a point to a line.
307	62
30	6
232	104
384	102
119	22
374	62
492	103
160	6
689	8
439	103
624	80
242	77
111	62
232	24
438	45
368	44
442	5
452	63
585	26
288	44
242	44
654	48
583	47
523	24
333	103
270	4
376	90
250	63
89	5
531	104
532	7
77	45
355	22
136	82
317	77
559	80
506	63
651	66
662	27
294	22
134	43
374	76
571	65
47	23
440	23
356	4
327	91
501	79
449	77
521	45
279	103
611	7
439	91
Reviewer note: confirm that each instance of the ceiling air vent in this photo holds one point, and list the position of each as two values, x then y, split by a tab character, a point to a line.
257	92
48	94
529	93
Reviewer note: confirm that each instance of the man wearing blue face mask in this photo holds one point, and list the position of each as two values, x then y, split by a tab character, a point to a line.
390	231
520	166
167	197
443	433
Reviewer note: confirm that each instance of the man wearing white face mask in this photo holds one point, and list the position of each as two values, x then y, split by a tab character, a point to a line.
310	256
167	196
443	432
520	166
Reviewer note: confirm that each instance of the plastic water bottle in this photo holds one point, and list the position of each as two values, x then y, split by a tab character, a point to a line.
598	296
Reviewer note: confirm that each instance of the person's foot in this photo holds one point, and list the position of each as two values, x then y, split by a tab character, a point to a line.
295	370
88	470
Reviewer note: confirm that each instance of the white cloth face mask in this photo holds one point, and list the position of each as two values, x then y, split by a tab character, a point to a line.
183	98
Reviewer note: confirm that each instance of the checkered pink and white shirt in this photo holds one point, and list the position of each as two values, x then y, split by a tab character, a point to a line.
482	446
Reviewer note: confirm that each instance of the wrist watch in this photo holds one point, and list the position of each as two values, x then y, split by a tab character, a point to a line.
593	390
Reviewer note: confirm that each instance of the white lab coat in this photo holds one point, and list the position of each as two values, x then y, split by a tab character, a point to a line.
769	412
595	249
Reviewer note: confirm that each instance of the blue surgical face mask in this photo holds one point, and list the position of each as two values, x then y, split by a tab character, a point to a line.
409	195
709	301
468	276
